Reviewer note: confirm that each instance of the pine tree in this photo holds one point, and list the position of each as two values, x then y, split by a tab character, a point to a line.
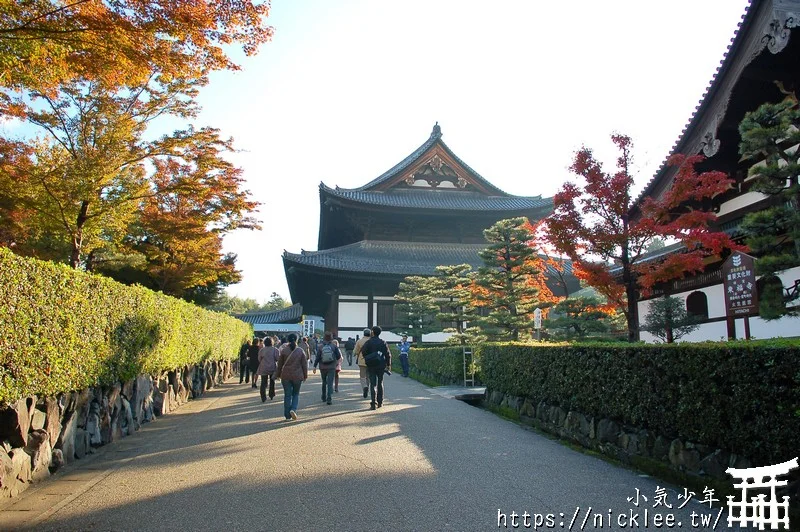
508	283
770	135
416	307
579	317
452	287
668	319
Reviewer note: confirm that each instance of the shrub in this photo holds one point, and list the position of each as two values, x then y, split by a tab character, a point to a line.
62	330
743	397
444	364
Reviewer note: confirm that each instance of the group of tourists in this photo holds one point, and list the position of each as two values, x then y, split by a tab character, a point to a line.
273	358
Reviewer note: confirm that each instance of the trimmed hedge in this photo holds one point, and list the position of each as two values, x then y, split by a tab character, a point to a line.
63	330
444	364
741	397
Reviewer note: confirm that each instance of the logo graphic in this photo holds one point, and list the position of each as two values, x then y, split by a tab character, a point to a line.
737	261
758	510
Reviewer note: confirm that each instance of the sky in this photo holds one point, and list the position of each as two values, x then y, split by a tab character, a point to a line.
347	89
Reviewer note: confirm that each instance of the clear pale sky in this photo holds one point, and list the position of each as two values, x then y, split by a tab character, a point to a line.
347	89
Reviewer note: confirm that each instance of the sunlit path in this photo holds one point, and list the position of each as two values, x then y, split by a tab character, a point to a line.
422	462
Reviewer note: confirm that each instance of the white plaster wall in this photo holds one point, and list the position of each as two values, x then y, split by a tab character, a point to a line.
740	202
759	329
353	314
785	327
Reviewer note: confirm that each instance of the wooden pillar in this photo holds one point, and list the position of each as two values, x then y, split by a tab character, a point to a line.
332	315
731	321
370	310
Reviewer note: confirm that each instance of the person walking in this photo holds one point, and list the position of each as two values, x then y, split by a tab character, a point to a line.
362	367
349	346
252	358
377	357
293	371
327	356
267	365
405	347
306	347
244	369
338	368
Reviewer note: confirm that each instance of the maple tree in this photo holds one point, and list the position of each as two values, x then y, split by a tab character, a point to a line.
122	43
139	210
770	136
607	236
511	282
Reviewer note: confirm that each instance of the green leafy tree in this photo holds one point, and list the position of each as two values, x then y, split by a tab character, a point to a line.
508	283
579	317
417	307
668	319
770	136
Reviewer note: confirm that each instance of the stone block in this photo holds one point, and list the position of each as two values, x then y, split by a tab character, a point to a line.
607	431
676	453
53	419
56	460
38	419
714	464
15	422
38	448
20	464
660	449
81	443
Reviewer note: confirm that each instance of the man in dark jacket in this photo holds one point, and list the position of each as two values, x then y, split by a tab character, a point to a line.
349	345
377	357
244	369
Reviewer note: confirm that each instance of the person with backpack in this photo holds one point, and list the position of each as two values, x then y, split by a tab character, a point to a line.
338	369
377	357
292	371
327	356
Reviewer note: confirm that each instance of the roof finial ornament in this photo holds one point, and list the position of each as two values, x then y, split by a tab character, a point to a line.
437	131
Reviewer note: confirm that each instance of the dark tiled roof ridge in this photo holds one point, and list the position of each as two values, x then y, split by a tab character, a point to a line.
436	136
707	96
444	199
294	312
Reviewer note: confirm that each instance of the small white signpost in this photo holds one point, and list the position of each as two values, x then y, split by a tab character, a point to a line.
537	323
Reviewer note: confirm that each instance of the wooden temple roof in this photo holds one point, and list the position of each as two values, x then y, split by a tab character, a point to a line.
291	314
766	24
439	199
392	257
451	185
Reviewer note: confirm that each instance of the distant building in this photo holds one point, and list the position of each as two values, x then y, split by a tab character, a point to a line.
279	322
761	53
429	209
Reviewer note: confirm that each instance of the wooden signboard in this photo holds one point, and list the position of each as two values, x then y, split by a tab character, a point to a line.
739	280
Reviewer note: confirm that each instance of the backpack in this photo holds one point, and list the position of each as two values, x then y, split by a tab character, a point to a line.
327	354
373	352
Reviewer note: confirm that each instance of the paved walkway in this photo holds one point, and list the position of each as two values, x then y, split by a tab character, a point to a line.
422	462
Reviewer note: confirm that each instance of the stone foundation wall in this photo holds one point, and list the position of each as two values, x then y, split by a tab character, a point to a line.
39	435
619	441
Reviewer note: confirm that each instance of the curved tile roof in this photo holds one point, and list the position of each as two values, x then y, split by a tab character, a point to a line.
705	100
446	199
291	314
393	258
436	136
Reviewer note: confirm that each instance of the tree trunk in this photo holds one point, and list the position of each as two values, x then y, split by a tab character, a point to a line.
77	238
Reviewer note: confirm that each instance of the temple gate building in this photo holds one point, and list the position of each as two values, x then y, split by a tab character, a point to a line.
762	65
429	209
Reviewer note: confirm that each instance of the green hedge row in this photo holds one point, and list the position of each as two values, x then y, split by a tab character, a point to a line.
741	397
445	364
63	330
